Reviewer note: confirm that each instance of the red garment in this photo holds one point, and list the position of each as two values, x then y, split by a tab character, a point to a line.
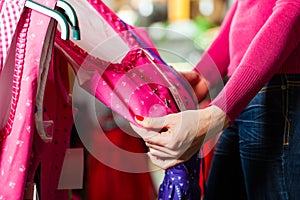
50	155
103	182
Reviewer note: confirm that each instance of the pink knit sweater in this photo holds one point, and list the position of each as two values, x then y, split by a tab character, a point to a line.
258	38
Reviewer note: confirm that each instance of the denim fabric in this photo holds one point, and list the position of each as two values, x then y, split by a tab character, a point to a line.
258	156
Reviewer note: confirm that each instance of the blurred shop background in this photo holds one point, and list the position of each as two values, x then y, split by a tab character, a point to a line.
181	31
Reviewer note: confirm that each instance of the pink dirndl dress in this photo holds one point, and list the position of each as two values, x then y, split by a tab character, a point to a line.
25	48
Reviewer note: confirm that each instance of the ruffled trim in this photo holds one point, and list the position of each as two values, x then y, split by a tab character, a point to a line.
18	72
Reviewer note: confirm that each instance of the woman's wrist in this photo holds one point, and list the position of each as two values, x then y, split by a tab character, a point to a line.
212	120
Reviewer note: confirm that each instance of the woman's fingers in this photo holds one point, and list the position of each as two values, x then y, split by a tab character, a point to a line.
163	163
157	123
144	133
162	151
192	77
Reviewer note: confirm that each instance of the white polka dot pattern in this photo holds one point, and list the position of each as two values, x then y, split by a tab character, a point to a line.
17	146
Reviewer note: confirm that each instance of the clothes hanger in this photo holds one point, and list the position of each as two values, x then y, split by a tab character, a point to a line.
59	17
70	13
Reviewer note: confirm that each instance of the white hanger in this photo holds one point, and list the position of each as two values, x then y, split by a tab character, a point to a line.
71	16
60	18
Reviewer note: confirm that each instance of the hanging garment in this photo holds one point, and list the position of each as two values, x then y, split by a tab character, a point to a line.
23	51
121	67
147	76
107	182
48	156
10	15
119	64
35	131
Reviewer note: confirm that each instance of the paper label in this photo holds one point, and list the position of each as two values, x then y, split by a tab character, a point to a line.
71	176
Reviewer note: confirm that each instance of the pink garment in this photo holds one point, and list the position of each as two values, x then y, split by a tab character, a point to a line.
10	15
24	55
140	83
134	81
257	40
132	87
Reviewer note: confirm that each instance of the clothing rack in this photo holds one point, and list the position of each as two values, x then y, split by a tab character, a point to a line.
37	51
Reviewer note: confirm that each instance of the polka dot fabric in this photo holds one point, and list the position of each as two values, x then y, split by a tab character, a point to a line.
16	148
181	182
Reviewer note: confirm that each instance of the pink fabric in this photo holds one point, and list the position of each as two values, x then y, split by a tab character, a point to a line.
16	148
257	40
10	15
138	84
132	87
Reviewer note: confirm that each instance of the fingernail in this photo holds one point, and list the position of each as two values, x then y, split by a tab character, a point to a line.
139	118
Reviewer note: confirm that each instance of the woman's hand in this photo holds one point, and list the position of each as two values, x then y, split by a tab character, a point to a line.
198	83
174	138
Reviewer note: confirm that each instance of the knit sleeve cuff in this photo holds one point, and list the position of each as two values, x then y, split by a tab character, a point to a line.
244	84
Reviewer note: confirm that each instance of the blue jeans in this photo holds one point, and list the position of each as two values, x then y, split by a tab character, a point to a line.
258	156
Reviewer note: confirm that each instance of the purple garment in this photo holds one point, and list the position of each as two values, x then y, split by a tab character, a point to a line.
182	181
